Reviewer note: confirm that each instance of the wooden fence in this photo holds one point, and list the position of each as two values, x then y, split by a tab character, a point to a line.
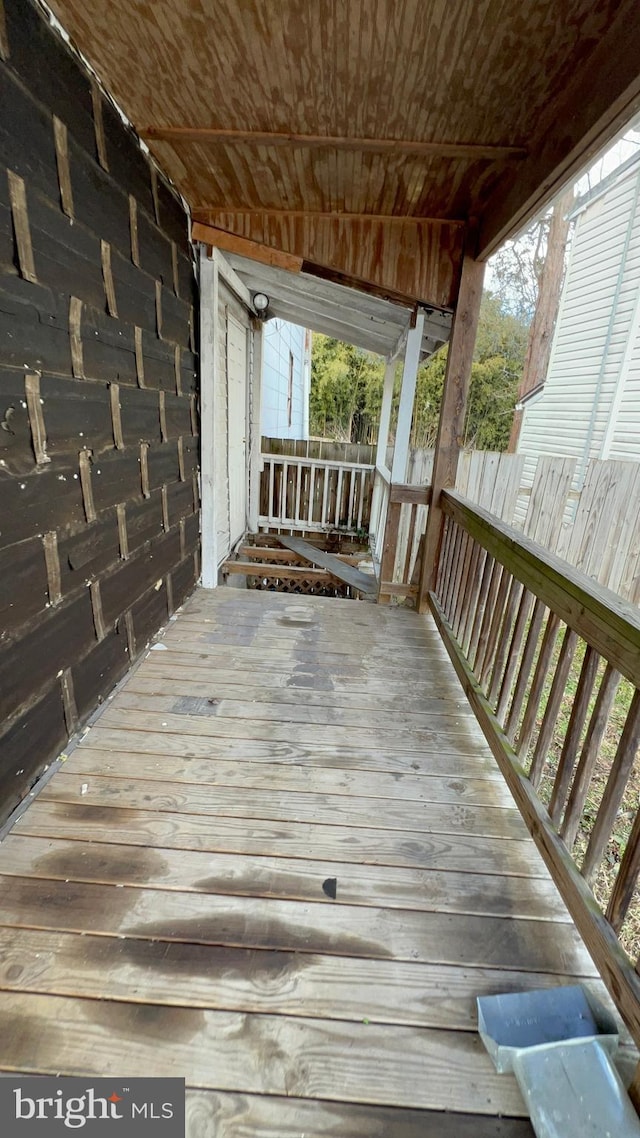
596	529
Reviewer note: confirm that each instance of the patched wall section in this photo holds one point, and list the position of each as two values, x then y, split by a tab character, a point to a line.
99	532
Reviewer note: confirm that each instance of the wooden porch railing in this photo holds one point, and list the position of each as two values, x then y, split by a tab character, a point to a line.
312	494
550	662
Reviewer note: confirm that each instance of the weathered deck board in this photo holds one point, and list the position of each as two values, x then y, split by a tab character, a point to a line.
163	908
273	805
356	931
461	852
362	582
448	760
263	1054
295	879
244	979
476	791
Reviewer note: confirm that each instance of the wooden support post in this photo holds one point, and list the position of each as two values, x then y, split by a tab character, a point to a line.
208	365
452	412
407	396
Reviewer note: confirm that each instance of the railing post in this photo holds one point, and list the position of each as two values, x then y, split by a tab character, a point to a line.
452	411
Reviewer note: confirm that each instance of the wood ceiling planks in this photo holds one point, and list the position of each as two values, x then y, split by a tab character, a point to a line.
467	73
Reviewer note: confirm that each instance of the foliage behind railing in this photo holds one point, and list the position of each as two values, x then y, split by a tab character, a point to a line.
550	662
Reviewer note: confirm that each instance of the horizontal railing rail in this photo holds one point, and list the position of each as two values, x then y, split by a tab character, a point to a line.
315	495
550	662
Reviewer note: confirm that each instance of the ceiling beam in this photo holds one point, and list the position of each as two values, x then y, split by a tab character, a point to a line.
470	151
207	214
597	104
220	239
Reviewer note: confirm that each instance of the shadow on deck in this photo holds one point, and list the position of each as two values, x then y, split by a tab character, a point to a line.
282	864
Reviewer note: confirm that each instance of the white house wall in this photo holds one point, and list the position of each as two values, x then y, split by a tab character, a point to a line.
592	375
282	343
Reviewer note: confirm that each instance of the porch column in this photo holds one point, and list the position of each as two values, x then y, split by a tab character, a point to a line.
407	397
452	413
208	364
381	455
385	415
254	416
400	453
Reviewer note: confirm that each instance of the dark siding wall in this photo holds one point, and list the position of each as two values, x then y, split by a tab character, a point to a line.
98	385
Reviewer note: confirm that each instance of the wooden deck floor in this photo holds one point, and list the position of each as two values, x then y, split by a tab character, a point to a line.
281	864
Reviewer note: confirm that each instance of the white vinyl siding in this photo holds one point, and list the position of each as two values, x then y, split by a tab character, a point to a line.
590	406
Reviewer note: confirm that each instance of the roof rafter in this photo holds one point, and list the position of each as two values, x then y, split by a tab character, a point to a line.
463	150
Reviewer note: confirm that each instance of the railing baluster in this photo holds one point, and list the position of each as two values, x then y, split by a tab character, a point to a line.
478	558
271	490
338	498
352	491
463	583
413	511
537	684
283	490
363	480
554	702
312	493
571	743
447	584
487	573
444	555
494	628
626	880
614	790
494	584
589	754
504	640
511	663
454	573
326	473
298	486
524	671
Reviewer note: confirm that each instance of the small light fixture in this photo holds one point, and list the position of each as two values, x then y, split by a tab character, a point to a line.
261	304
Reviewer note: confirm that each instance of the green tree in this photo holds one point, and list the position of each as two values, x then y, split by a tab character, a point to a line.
347	382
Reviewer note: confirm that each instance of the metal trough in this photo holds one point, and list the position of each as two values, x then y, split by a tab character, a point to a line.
559	1043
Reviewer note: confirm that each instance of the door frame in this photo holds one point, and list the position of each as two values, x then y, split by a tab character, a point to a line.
213	268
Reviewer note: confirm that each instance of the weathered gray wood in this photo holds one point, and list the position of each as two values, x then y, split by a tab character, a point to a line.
601	617
614	790
360	931
621	979
571	743
287	839
361	582
293	879
589	754
268	1116
554	703
452	410
281	1055
283	806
